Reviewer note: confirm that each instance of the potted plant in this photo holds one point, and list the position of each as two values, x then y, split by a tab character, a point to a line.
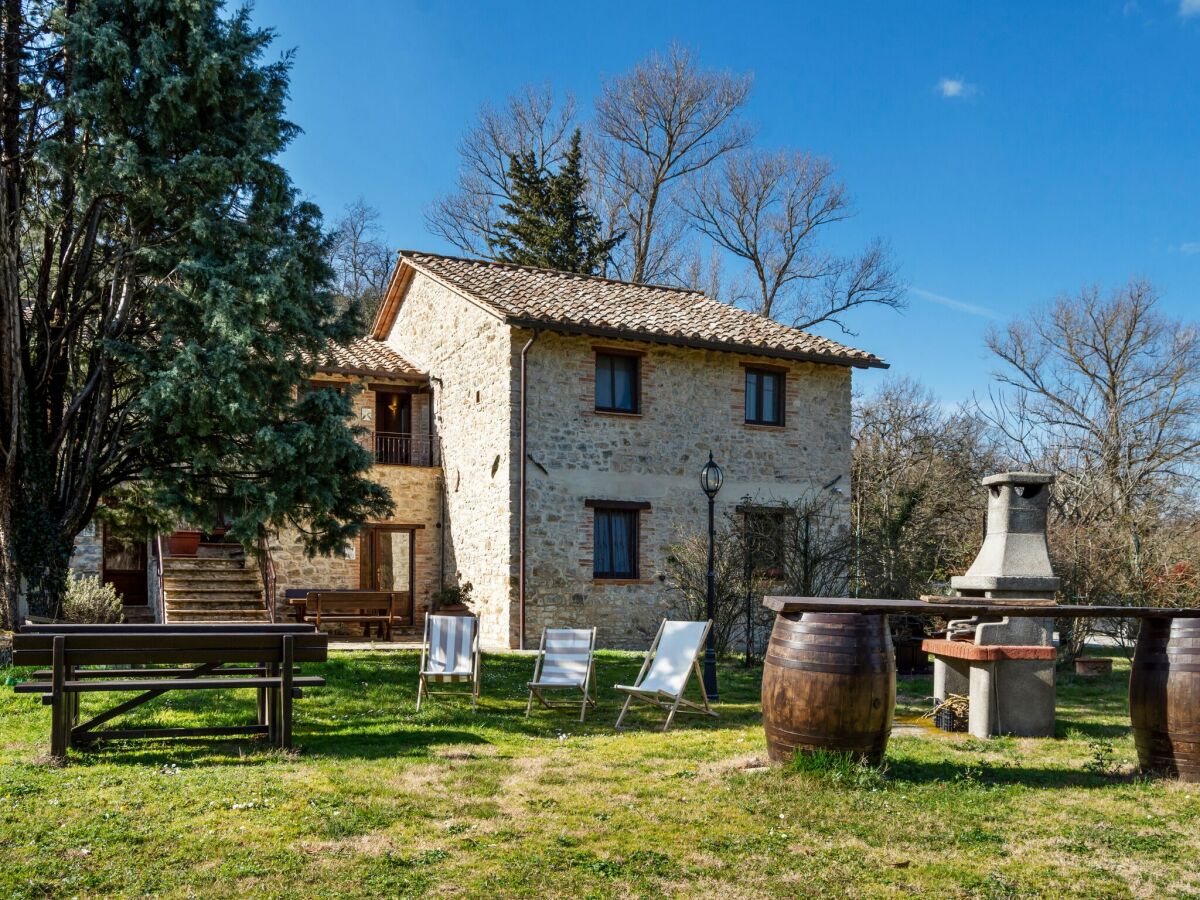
183	542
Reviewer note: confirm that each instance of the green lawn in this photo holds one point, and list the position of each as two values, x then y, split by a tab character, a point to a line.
387	802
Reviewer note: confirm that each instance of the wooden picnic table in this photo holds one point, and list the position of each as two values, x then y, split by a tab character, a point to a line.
99	659
823	684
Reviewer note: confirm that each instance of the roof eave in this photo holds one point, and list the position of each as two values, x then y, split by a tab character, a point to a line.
412	377
696	343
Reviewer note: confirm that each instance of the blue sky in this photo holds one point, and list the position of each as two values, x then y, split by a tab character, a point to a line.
1009	152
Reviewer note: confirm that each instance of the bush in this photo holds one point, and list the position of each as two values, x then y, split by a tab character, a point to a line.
89	601
452	595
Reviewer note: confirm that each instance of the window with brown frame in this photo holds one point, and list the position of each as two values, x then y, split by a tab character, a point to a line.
764	396
616	538
618	382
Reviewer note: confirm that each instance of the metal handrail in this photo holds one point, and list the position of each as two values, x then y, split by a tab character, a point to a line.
160	612
266	568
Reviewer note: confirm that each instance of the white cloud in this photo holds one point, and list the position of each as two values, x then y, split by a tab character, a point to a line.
1189	248
970	308
1189	8
959	88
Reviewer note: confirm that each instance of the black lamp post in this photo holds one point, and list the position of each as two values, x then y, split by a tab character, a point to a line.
711	478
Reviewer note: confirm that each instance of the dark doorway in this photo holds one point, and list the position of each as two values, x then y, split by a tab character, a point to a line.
393	428
124	566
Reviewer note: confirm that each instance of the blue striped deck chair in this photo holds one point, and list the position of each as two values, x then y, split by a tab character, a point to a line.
564	662
450	655
670	661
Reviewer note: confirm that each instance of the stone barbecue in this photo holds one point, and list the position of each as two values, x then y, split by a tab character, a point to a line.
1005	664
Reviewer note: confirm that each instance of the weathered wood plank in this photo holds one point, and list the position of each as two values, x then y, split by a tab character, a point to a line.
968	607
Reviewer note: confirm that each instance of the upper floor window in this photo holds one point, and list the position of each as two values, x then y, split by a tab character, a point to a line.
618	382
764	397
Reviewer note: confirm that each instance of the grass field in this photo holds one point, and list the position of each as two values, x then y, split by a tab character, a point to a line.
384	801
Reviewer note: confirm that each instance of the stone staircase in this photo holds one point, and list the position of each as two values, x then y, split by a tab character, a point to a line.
212	590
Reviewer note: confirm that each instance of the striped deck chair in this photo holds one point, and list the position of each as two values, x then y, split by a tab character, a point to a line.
565	661
670	661
450	654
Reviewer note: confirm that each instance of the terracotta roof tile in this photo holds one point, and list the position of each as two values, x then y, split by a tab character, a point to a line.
563	301
365	356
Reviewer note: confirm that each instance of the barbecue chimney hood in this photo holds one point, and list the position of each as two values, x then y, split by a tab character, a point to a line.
1014	558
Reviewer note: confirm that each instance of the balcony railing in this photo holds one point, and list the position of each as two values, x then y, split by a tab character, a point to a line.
398	449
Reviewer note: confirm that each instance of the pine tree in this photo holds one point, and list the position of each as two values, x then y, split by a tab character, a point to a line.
549	223
160	286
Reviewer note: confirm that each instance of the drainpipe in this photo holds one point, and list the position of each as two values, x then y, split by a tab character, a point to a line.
524	465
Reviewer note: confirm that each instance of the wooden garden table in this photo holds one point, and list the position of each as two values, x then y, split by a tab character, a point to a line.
824	684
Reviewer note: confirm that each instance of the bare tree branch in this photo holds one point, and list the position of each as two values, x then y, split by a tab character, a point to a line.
770	210
661	122
529	122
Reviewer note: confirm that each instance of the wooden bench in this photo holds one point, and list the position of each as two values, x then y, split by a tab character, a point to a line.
90	658
383	608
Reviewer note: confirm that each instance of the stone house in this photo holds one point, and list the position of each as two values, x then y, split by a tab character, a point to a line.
542	434
572	415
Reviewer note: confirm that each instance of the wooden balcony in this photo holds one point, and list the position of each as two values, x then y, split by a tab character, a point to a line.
401	449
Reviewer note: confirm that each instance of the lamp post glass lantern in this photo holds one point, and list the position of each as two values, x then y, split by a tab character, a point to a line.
711	478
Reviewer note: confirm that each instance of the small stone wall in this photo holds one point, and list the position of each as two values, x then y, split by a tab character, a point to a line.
88	551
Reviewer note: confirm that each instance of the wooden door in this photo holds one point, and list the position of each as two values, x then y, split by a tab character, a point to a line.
389	564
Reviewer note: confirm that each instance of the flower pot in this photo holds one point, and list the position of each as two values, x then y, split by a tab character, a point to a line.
1093	667
183	543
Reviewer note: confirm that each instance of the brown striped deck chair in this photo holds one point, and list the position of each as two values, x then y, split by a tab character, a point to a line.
564	662
450	655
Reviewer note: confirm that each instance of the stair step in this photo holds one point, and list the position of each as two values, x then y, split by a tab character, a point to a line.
186	585
231	599
210	563
216	616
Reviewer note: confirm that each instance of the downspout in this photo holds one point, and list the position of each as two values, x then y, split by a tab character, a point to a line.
524	466
435	441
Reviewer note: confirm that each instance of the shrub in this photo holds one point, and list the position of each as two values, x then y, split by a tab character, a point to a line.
89	601
451	595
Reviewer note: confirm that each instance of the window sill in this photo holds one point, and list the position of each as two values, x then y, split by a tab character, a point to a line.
617	414
620	581
764	426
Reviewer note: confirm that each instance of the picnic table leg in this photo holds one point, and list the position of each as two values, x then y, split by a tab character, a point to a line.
272	706
261	705
59	729
285	693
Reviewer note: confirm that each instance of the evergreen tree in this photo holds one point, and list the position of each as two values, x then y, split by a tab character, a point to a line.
160	286
549	223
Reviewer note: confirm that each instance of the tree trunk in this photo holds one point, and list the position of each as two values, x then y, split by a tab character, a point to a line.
9	580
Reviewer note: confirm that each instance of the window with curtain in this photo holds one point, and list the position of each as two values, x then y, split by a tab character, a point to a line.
618	386
764	397
615	550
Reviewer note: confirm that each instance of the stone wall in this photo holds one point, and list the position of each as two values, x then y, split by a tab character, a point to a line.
469	355
692	402
416	492
88	550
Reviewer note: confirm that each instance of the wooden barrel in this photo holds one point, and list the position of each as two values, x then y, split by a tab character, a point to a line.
1164	697
829	683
